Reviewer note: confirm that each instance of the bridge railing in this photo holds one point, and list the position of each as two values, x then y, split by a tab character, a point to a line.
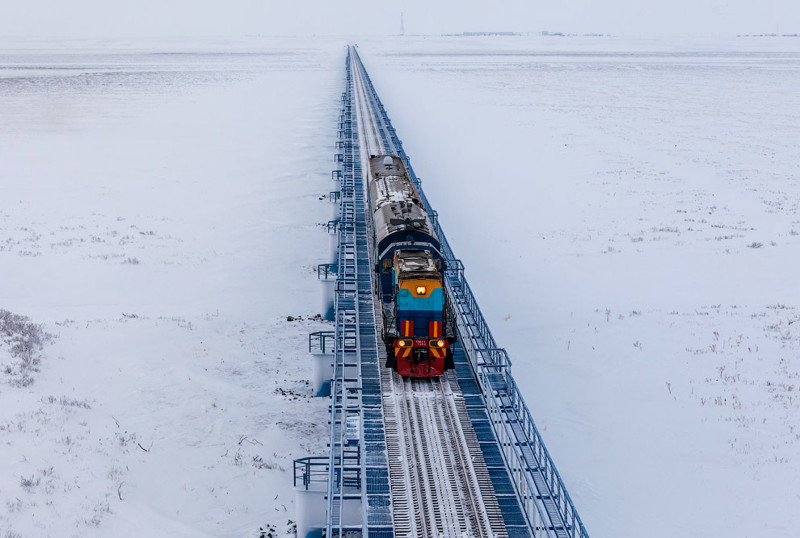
470	311
547	468
321	341
356	500
341	342
327	270
311	470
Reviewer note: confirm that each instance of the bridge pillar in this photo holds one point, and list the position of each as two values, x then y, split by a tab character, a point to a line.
326	273
320	345
323	372
311	498
328	311
333	241
311	505
336	206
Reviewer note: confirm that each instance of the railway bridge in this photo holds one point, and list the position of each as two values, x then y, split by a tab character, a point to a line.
454	456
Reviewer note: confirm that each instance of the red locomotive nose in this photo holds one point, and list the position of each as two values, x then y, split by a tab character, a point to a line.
430	367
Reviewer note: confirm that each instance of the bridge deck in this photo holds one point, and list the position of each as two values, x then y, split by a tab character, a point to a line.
510	465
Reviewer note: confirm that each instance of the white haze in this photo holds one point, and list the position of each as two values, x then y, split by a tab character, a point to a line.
129	18
628	220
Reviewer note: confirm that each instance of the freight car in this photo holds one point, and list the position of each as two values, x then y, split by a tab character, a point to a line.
418	325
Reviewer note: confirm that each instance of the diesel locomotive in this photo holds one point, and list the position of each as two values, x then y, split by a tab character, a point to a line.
418	325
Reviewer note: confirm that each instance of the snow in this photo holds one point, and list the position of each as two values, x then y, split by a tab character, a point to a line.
160	217
626	211
628	219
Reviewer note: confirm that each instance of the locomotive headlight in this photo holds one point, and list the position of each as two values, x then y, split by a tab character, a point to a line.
421	290
437	343
405	343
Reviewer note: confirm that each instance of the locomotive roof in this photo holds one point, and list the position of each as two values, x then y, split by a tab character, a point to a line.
398	213
416	264
391	182
387	164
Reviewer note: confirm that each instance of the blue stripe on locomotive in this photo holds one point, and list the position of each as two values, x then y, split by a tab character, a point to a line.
406	302
421	310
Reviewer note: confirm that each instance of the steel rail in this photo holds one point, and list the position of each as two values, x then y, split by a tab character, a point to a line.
368	126
436	489
436	466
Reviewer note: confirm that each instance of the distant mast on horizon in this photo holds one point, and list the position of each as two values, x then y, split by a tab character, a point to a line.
402	26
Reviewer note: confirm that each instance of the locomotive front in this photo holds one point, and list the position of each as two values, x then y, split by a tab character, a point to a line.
421	349
417	328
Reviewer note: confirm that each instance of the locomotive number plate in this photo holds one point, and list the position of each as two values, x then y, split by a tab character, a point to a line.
420	342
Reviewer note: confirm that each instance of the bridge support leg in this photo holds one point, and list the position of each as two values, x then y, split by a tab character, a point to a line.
311	506
323	371
328	289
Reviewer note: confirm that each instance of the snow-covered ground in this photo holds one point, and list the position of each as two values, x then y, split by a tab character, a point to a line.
626	210
160	216
628	216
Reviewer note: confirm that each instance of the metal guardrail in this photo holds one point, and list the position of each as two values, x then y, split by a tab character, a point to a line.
333	226
321	342
522	443
327	270
344	343
316	470
312	470
357	464
547	505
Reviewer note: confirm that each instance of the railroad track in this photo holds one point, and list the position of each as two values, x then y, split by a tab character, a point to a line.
369	130
440	485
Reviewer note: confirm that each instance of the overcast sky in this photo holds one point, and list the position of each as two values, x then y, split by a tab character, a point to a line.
124	18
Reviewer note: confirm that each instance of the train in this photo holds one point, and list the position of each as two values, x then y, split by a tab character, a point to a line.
418	322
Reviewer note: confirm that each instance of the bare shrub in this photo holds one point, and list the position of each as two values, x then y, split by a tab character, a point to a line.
28	483
16	506
64	401
24	341
126	438
259	463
